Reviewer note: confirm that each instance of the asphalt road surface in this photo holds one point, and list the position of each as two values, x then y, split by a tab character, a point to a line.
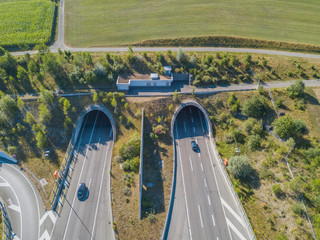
204	205
89	218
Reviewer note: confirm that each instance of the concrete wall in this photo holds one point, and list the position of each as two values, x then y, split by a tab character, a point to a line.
141	166
143	83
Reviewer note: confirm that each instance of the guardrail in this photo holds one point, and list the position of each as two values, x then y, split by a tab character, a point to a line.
141	166
6	225
227	178
62	182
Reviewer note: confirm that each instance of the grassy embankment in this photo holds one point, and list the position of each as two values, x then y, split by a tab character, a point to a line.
115	23
271	216
25	23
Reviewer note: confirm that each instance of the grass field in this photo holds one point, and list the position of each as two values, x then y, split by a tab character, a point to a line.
113	23
25	22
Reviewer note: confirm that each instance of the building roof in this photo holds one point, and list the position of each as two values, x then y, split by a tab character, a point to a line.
167	68
142	77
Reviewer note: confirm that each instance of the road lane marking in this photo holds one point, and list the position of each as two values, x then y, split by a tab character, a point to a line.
235	230
216	182
201	167
205	183
45	236
14	208
209	200
232	211
74	197
200	216
185	193
213	221
200	120
90	182
191	163
190	110
198	146
191	119
97	206
185	128
194	130
4	184
18	204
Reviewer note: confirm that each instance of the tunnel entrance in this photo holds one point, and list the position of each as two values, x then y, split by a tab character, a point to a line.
190	122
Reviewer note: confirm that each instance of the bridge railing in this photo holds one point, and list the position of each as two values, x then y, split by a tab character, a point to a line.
6	225
62	182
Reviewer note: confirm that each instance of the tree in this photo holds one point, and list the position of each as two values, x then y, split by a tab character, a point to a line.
20	103
175	96
2	51
296	89
8	105
95	97
22	74
239	167
44	113
41	140
254	142
256	106
130	150
9	64
181	56
46	96
285	127
33	67
193	60
29	118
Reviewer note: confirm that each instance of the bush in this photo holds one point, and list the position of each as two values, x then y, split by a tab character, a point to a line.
127	191
296	89
300	104
130	150
253	127
254	142
285	127
279	103
276	189
126	166
298	209
239	167
181	56
134	164
118	159
256	106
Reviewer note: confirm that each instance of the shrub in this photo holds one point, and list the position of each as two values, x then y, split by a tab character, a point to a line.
276	189
118	159
126	166
300	104
239	167
253	127
281	236
130	150
279	103
152	217
254	142
298	209
127	191
256	106
46	96
285	127
296	89
134	164
99	70
193	60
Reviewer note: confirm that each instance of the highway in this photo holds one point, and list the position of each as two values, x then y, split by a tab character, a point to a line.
204	206
91	218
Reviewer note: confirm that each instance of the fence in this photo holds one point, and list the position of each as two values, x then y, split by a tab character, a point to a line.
222	166
6	225
141	166
62	181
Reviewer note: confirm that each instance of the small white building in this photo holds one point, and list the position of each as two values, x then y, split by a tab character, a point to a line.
167	70
152	80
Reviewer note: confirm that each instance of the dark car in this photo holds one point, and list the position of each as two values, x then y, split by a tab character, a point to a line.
194	146
81	191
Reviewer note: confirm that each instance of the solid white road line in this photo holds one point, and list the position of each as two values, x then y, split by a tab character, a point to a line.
90	182
213	221
200	120
18	204
185	128
97	206
34	192
235	230
185	194
209	200
191	164
216	181
194	130
200	216
74	197
232	212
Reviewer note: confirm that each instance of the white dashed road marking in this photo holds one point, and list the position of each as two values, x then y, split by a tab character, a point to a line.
200	216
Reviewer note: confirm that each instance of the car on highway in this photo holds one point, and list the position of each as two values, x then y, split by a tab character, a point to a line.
194	146
81	191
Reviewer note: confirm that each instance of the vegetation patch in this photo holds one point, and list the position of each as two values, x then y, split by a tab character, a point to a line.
271	198
25	23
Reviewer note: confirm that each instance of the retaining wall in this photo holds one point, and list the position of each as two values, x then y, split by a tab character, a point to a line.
141	166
